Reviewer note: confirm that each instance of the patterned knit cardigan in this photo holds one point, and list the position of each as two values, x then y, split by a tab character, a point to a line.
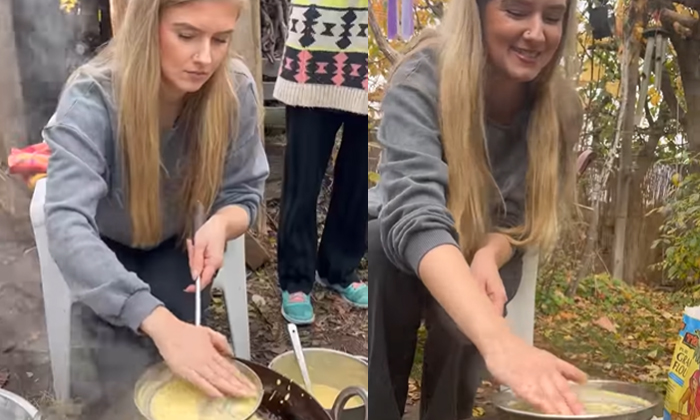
325	56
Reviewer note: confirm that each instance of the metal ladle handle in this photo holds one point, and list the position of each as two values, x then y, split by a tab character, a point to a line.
346	395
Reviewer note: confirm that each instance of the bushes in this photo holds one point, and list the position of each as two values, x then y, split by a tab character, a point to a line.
680	232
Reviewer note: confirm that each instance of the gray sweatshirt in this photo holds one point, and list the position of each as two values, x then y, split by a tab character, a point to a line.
85	195
410	199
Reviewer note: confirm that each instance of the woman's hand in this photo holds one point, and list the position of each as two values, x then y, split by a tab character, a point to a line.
197	354
484	268
536	376
206	255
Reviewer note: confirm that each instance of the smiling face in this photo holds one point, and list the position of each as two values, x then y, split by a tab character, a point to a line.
194	41
522	36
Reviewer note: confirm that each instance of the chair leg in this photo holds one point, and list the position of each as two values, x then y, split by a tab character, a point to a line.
233	280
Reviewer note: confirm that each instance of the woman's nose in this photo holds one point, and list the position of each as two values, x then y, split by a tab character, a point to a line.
535	30
203	56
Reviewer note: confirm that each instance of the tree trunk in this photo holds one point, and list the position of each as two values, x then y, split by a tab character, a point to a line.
625	131
691	87
12	126
45	40
688	51
601	181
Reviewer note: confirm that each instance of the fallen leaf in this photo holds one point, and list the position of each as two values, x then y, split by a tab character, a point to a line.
258	300
413	390
653	354
605	323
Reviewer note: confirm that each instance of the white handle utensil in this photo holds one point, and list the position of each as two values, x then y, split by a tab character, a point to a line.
198	302
299	353
198	222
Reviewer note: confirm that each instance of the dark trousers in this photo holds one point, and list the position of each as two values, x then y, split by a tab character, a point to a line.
452	366
106	361
311	134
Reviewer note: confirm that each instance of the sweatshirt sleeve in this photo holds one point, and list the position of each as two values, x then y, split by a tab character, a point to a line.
414	217
79	136
246	168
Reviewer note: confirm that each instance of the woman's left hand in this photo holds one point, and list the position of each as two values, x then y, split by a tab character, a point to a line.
206	255
484	268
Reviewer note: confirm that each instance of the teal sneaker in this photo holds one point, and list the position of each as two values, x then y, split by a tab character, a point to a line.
297	309
357	294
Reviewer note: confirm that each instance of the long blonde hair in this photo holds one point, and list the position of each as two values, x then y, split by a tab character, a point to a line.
210	117
550	177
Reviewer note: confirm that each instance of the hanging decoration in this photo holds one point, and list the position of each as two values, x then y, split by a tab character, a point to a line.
601	22
407	19
654	57
404	20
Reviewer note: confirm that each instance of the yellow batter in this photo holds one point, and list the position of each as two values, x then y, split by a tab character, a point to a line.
178	399
599	402
327	395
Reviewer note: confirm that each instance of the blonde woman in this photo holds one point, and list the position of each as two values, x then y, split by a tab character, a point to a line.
478	131
160	120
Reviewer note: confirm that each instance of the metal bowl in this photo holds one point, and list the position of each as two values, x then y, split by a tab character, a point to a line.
159	375
505	400
14	407
332	368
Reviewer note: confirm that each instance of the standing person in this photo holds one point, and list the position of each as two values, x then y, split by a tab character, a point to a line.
323	82
478	131
159	121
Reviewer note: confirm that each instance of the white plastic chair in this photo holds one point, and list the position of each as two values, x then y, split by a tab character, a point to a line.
57	299
521	310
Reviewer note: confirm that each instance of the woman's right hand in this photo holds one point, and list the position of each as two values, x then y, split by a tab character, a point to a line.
197	354
536	376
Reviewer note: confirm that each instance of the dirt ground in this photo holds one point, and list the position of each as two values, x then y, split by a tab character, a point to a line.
24	362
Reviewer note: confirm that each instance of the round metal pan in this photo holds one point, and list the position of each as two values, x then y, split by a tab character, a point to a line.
159	375
281	398
641	401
